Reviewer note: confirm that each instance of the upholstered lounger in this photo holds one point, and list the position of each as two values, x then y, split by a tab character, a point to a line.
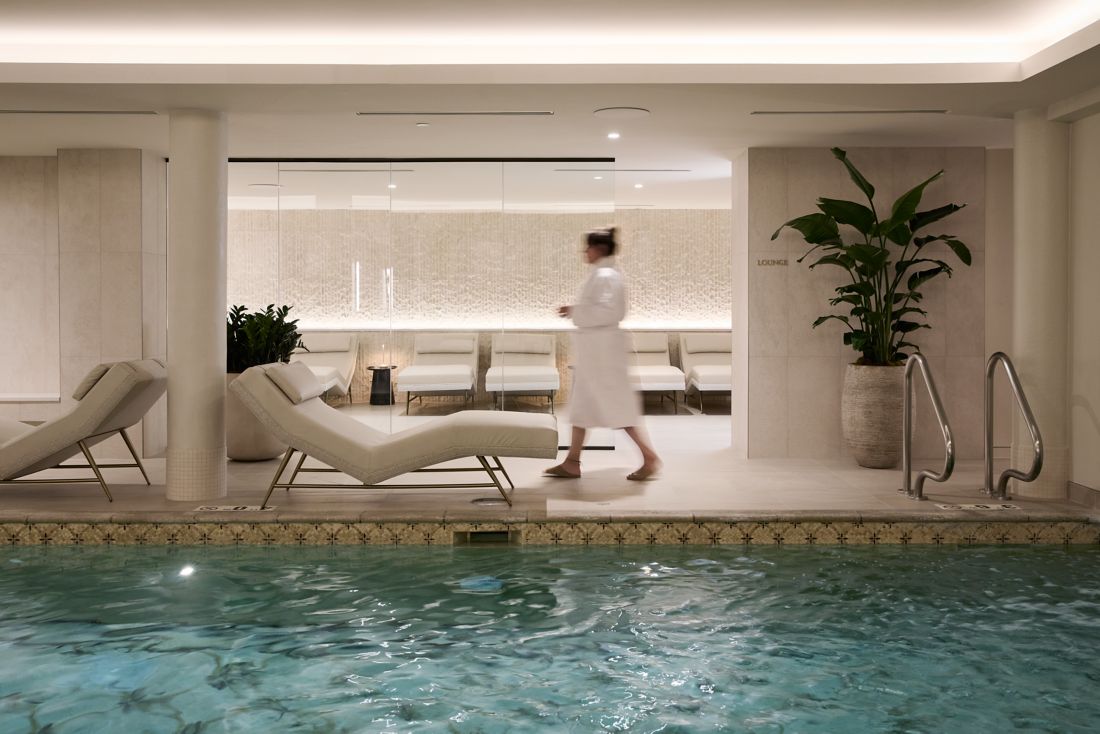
443	364
524	364
110	399
332	357
285	398
651	369
708	362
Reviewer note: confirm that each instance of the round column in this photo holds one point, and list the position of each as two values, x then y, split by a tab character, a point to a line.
198	152
1041	308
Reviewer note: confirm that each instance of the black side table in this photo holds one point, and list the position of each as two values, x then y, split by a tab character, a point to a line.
380	390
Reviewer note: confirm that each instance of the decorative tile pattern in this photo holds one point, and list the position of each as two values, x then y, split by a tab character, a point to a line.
589	532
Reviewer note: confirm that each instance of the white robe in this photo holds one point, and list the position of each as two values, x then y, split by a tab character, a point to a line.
602	393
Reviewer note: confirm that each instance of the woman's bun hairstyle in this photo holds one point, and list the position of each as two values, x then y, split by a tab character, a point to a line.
605	238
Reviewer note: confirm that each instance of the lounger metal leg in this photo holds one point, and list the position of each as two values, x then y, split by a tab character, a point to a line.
408	402
278	473
504	472
134	454
91	462
493	476
551	403
297	469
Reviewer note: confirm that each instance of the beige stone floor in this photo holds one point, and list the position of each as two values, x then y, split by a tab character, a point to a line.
701	478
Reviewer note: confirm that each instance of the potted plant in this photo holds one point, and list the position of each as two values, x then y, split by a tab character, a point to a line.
261	337
885	263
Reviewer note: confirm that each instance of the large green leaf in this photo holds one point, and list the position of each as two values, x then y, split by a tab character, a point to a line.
902	265
869	254
916	280
863	184
822	319
814	228
923	219
906	205
862	288
840	260
906	326
847	298
960	250
850	213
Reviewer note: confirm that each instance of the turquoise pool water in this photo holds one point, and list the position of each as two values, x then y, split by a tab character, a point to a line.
654	639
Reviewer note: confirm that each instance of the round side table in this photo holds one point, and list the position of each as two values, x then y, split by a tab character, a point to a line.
381	392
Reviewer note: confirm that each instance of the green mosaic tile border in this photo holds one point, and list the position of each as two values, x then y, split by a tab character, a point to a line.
733	532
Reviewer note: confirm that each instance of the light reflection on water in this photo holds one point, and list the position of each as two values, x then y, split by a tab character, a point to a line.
671	639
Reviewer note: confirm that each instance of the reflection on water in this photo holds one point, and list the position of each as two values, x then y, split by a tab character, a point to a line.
581	639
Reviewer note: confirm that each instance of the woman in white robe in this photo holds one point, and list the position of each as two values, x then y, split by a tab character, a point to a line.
602	393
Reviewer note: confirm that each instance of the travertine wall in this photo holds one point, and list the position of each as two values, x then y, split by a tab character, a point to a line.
109	235
29	277
474	270
795	371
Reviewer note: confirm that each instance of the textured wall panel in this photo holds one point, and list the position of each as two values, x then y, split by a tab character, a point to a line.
474	269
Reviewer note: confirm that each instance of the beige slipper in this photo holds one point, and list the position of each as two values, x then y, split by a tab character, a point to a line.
561	472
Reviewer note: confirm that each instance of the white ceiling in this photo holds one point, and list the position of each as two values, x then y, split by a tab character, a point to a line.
291	76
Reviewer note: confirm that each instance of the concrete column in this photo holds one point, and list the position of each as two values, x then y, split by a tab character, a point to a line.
198	153
1040	283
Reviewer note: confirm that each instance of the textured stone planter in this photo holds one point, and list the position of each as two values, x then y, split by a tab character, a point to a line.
871	414
245	437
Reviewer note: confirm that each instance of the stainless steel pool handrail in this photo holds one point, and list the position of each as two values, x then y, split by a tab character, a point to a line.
1001	490
917	491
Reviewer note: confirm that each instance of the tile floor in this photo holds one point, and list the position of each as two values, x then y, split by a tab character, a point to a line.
701	479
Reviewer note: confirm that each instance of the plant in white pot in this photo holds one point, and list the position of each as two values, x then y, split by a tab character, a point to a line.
261	337
886	263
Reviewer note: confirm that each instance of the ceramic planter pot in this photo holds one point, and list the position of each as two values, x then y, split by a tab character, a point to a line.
246	439
871	414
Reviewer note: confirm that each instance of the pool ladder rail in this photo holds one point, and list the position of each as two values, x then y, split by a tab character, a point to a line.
915	490
1000	492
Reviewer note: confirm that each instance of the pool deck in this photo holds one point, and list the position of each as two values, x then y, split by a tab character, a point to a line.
703	494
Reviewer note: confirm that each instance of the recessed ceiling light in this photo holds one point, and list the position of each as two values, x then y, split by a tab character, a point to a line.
637	186
265	186
621	113
392	186
598	178
422	124
613	136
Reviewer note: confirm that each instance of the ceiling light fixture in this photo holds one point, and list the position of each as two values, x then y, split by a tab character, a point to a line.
613	136
598	178
78	112
621	113
637	186
848	112
456	113
265	186
422	124
392	186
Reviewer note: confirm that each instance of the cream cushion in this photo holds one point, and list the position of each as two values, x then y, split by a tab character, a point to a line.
317	342
90	380
435	377
721	342
657	377
442	344
523	344
340	441
296	381
509	378
711	377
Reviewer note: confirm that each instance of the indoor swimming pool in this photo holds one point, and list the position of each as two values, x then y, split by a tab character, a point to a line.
473	639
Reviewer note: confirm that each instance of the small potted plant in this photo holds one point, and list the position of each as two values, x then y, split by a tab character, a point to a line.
261	337
885	263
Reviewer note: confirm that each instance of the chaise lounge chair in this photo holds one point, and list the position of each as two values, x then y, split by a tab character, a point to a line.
331	356
110	399
651	367
443	364
523	364
708	362
285	398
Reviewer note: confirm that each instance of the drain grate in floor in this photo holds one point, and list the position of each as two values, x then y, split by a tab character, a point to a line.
234	508
987	506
